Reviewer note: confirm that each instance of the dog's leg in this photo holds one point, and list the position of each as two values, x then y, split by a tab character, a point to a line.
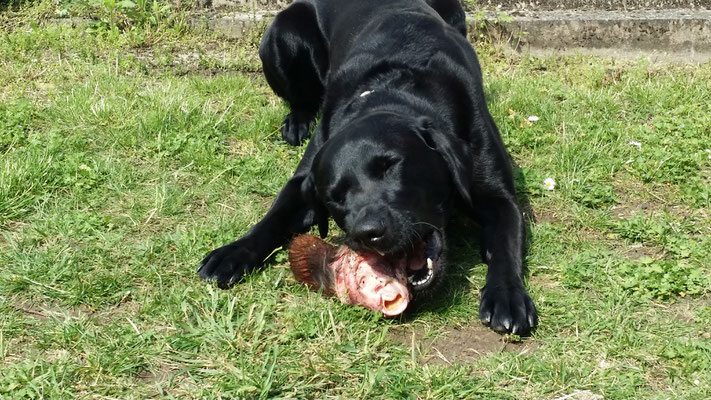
290	214
505	305
483	177
452	13
295	62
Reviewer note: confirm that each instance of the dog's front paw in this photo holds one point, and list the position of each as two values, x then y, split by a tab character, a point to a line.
296	127
507	308
228	264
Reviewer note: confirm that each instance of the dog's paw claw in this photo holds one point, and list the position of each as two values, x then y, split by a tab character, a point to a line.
296	127
227	265
508	309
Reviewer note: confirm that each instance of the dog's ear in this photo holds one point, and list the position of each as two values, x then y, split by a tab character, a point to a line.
456	154
320	213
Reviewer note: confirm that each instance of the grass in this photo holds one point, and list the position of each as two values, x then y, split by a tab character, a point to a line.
127	153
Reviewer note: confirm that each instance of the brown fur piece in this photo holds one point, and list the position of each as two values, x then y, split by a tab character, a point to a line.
309	259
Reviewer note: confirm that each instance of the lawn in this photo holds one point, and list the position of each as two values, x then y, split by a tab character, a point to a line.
129	150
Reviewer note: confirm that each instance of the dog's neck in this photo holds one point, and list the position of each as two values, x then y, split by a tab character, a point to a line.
399	101
394	91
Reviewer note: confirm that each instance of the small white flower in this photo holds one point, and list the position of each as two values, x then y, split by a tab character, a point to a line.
575	180
549	184
533	118
637	144
696	382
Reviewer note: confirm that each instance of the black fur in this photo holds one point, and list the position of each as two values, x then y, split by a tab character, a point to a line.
405	135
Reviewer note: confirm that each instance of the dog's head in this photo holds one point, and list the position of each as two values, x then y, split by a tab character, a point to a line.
387	181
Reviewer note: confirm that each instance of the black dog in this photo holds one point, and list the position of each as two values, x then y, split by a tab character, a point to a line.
405	135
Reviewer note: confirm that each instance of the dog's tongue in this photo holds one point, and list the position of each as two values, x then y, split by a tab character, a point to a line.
367	280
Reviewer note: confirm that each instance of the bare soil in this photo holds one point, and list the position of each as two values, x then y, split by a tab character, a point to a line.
456	344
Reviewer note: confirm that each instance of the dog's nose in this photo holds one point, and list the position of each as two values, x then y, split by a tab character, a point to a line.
369	232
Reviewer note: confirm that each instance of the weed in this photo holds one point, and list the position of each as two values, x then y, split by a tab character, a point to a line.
663	279
127	14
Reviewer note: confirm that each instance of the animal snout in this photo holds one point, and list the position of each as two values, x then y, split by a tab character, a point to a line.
369	231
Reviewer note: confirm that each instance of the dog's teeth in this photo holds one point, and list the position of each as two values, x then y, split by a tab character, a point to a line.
382	254
425	279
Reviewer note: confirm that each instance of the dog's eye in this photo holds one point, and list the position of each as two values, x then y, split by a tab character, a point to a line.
381	165
338	194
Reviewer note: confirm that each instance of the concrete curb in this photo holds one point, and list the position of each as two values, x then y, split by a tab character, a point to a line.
589	5
681	35
508	5
674	35
236	25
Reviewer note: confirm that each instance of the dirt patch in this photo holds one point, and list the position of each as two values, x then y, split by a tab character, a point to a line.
544	281
209	62
46	311
580	395
157	376
638	250
549	215
240	147
457	344
122	310
683	309
636	197
634	206
161	380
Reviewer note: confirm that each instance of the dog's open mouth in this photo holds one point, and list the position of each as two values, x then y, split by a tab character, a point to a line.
423	263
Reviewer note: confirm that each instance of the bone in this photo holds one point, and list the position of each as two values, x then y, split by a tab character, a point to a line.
309	259
365	280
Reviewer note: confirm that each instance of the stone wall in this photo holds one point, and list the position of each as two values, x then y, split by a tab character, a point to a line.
533	5
247	5
602	5
673	30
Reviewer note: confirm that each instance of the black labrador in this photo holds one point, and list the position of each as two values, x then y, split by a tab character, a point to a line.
404	137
